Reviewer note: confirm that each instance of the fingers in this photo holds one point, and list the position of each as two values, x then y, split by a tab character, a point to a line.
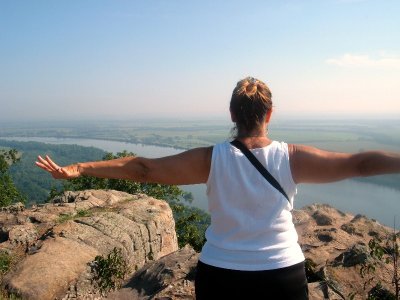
47	164
52	163
44	164
44	167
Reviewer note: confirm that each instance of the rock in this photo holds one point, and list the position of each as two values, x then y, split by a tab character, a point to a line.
23	234
56	253
171	277
322	244
379	292
325	235
48	273
320	290
356	255
60	252
311	272
350	228
300	217
69	196
322	219
14	208
329	247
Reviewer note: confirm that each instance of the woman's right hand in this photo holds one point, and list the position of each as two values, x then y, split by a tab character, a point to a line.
58	172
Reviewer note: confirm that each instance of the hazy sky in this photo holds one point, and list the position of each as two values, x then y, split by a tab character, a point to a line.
119	59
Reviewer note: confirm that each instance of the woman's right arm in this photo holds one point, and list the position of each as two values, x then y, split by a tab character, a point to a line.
189	167
313	165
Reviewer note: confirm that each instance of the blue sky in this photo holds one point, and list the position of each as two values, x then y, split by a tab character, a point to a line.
73	60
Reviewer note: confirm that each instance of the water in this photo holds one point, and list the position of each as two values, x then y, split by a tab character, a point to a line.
377	202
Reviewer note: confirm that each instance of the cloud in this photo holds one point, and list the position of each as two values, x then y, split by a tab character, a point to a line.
355	60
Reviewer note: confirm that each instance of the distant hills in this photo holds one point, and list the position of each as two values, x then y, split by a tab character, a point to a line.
34	182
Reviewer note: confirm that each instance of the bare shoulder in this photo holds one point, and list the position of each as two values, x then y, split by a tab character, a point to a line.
189	167
202	154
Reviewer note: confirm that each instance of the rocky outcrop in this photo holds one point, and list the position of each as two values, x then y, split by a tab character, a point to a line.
61	239
171	277
336	246
334	259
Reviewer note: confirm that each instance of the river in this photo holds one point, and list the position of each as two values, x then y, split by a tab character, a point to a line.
375	201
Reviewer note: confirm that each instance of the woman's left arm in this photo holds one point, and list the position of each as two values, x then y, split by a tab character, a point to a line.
189	167
313	165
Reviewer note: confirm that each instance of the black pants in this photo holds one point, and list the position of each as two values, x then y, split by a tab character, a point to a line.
284	284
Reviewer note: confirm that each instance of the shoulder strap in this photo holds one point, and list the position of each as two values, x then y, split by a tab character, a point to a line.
256	163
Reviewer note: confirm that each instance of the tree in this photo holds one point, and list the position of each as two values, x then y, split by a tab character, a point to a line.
8	192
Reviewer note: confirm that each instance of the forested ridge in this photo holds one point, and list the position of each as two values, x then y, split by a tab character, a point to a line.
33	182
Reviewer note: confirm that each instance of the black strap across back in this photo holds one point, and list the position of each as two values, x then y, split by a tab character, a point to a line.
256	163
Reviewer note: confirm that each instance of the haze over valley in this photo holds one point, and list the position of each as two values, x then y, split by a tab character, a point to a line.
375	196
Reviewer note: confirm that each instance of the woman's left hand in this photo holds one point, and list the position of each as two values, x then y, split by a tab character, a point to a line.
68	172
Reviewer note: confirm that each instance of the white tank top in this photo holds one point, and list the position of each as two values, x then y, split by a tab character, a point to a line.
251	222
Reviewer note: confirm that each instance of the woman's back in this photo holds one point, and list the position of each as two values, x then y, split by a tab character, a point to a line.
248	215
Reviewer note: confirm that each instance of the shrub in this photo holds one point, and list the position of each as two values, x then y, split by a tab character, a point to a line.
5	262
110	271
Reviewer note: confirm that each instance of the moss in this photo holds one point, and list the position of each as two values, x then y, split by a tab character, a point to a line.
79	214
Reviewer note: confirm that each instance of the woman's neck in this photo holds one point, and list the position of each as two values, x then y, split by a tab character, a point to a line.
254	139
257	133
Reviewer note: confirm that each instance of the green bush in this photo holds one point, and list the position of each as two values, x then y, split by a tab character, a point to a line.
5	262
110	271
8	192
190	225
4	296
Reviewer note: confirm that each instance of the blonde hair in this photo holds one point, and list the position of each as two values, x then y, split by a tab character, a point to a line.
250	103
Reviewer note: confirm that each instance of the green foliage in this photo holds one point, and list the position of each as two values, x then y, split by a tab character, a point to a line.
387	251
188	197
80	213
8	192
5	262
110	271
4	296
53	192
31	180
191	224
83	213
64	218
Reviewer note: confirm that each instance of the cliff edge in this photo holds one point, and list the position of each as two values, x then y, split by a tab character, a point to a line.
53	248
54	245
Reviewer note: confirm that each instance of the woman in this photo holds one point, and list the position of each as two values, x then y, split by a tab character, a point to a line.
252	250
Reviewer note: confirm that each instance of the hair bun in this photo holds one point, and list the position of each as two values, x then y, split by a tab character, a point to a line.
251	85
